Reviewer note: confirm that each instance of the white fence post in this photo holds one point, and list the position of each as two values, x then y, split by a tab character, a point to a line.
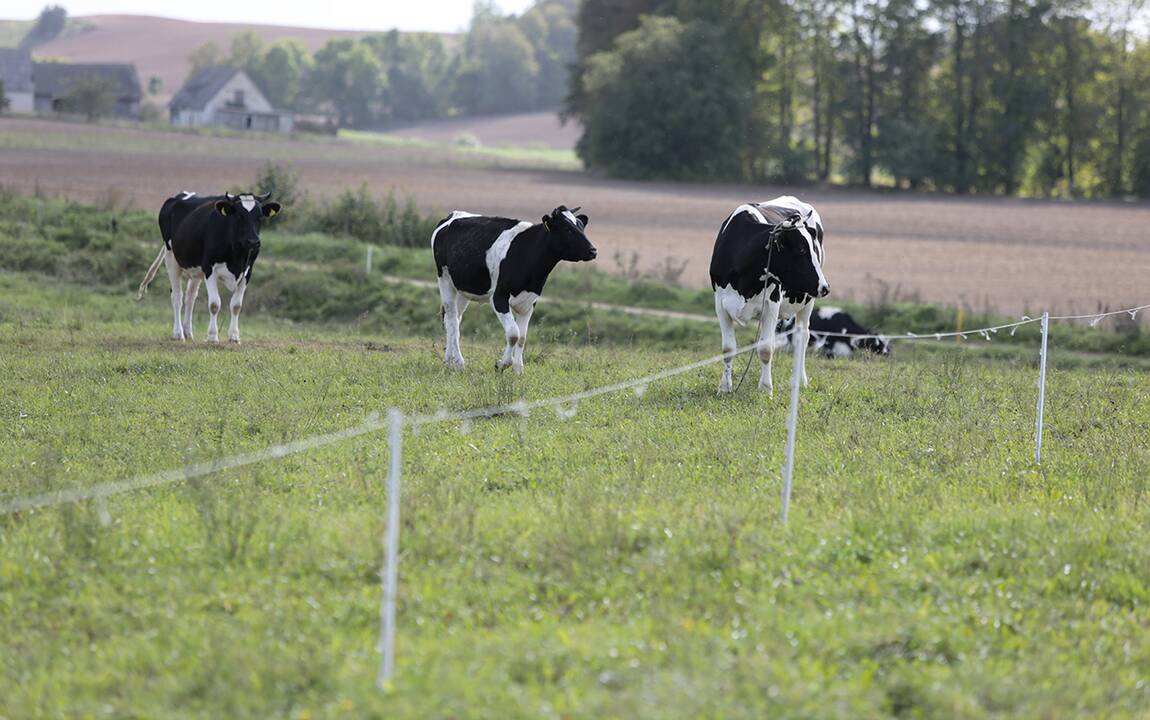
370	254
1041	389
792	420
391	556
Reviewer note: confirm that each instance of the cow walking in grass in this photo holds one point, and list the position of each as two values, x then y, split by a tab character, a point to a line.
505	262
767	263
209	239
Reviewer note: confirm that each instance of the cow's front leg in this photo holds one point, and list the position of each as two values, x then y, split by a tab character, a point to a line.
236	305
803	337
213	305
766	344
510	330
190	296
730	343
523	320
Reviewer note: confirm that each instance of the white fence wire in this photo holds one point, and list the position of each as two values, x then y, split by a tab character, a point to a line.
565	406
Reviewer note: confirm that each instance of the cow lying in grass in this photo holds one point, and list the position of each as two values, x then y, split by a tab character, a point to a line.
209	239
833	333
506	262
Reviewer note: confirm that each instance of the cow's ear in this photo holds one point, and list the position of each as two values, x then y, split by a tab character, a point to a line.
547	223
271	209
583	220
223	207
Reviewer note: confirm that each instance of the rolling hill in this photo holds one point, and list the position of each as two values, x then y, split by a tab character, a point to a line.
160	47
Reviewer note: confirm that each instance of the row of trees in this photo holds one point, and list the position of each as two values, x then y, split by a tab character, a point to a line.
501	64
1038	97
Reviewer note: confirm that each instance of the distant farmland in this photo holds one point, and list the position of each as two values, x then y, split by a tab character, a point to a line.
1013	255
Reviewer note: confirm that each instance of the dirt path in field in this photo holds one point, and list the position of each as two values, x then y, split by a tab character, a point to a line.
1010	255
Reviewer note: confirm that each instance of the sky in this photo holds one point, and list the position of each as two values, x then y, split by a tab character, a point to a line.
428	15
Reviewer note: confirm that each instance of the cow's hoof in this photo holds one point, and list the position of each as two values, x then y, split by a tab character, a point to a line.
213	340
454	363
234	341
768	388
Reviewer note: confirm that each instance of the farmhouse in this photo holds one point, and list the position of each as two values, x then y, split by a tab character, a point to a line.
16	74
54	82
225	97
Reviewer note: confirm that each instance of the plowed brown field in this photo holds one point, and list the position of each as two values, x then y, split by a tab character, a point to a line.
1011	255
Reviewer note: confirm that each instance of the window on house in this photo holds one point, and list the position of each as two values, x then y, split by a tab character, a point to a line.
238	100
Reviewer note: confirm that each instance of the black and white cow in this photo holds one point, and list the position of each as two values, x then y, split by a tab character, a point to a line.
833	333
209	238
768	259
506	262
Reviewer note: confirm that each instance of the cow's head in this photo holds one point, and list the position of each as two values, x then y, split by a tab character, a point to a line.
245	213
797	257
877	345
565	232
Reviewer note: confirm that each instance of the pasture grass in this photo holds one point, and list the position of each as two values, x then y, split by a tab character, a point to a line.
624	562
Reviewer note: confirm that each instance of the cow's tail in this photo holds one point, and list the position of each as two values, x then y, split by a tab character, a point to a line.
151	273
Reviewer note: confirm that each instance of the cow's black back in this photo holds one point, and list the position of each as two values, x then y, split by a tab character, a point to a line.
462	247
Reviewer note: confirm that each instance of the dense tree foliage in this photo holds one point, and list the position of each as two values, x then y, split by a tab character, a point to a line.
1041	97
50	23
502	64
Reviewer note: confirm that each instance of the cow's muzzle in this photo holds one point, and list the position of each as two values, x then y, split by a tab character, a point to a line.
824	290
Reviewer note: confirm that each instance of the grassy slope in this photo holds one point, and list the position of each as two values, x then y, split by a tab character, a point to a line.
626	562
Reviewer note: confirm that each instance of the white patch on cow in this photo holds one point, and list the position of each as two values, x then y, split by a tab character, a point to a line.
455	215
841	349
826	313
187	194
750	210
248	201
498	252
524	301
747	310
221	271
572	219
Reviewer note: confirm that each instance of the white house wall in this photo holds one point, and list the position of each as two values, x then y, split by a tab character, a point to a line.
254	100
21	102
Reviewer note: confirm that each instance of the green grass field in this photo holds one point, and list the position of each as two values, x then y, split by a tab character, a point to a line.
626	562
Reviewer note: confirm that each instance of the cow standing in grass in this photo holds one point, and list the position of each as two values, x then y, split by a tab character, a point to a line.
767	262
208	239
506	262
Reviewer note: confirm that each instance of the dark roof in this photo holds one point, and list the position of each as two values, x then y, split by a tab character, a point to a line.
202	87
55	79
16	70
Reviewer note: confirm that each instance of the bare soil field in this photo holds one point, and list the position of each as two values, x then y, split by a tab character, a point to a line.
541	129
1009	255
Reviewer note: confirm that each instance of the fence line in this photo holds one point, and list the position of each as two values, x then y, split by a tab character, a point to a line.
208	467
565	407
373	424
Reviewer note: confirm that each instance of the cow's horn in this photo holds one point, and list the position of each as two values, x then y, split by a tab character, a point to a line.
575	210
264	197
229	196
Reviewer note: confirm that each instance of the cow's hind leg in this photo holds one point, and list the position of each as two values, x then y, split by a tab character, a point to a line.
190	295
213	306
236	305
452	305
175	278
766	343
730	343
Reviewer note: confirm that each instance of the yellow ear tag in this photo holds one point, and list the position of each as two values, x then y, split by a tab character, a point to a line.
272	212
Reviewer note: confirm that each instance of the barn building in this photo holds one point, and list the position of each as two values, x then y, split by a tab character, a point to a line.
224	97
16	75
53	82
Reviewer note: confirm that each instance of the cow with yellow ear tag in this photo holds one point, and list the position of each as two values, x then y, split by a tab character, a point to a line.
208	239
